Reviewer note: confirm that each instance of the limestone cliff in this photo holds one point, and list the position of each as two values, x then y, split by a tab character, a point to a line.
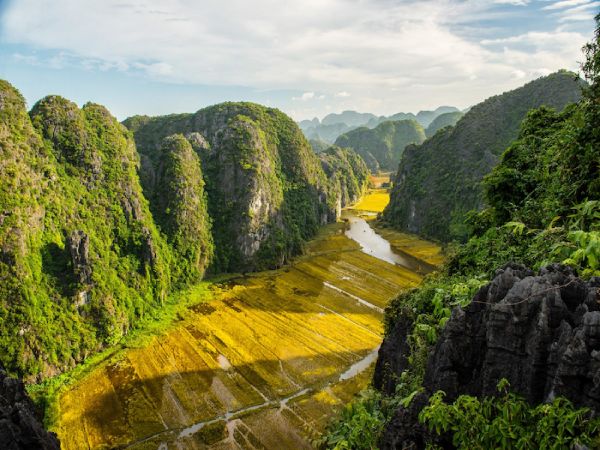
267	191
540	331
80	257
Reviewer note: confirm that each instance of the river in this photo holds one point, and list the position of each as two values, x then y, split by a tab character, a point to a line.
262	365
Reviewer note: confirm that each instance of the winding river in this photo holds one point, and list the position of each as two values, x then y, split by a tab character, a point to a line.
261	365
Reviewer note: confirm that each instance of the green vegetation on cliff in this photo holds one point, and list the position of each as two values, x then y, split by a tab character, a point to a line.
318	145
347	172
267	191
85	255
179	206
80	257
439	181
382	146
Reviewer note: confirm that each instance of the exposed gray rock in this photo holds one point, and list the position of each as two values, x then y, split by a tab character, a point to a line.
20	426
540	332
198	142
149	256
78	243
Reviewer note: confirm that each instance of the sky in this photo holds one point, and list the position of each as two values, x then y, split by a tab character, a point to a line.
307	58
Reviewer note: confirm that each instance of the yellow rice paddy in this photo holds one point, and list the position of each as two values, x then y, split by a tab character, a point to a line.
263	364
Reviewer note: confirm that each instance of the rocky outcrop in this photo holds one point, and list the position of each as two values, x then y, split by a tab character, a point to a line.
348	176
178	204
20	426
539	331
266	188
75	231
78	244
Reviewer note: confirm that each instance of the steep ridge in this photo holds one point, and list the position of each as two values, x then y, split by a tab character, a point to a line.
348	174
179	205
267	192
80	257
382	147
439	181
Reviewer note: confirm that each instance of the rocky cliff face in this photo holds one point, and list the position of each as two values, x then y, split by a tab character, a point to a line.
348	175
80	256
382	147
539	331
438	182
179	205
267	192
20	426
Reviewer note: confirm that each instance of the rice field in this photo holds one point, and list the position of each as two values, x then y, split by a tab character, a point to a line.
263	364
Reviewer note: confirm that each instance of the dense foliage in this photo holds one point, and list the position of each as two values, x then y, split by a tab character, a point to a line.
509	422
543	205
179	206
439	181
318	145
347	172
80	257
382	146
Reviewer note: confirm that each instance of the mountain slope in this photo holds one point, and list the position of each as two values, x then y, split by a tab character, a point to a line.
443	121
80	257
348	173
350	118
383	146
439	181
179	206
267	192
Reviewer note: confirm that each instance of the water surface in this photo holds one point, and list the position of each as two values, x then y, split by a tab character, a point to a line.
373	244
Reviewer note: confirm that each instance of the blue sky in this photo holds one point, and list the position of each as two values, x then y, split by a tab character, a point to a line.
307	58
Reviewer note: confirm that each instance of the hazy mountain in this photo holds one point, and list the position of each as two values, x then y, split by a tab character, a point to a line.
382	146
442	121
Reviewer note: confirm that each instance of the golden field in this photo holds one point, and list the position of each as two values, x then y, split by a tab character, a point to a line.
262	364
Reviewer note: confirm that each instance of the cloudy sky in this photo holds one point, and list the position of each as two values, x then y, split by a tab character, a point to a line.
308	57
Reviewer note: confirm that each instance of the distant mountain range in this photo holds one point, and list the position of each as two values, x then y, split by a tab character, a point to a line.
382	146
334	125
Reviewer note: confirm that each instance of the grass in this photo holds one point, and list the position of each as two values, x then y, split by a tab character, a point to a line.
47	394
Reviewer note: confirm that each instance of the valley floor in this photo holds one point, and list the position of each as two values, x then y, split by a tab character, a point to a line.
263	364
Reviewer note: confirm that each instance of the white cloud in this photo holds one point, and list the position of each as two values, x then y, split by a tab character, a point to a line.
305	96
565	4
512	2
391	55
579	13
